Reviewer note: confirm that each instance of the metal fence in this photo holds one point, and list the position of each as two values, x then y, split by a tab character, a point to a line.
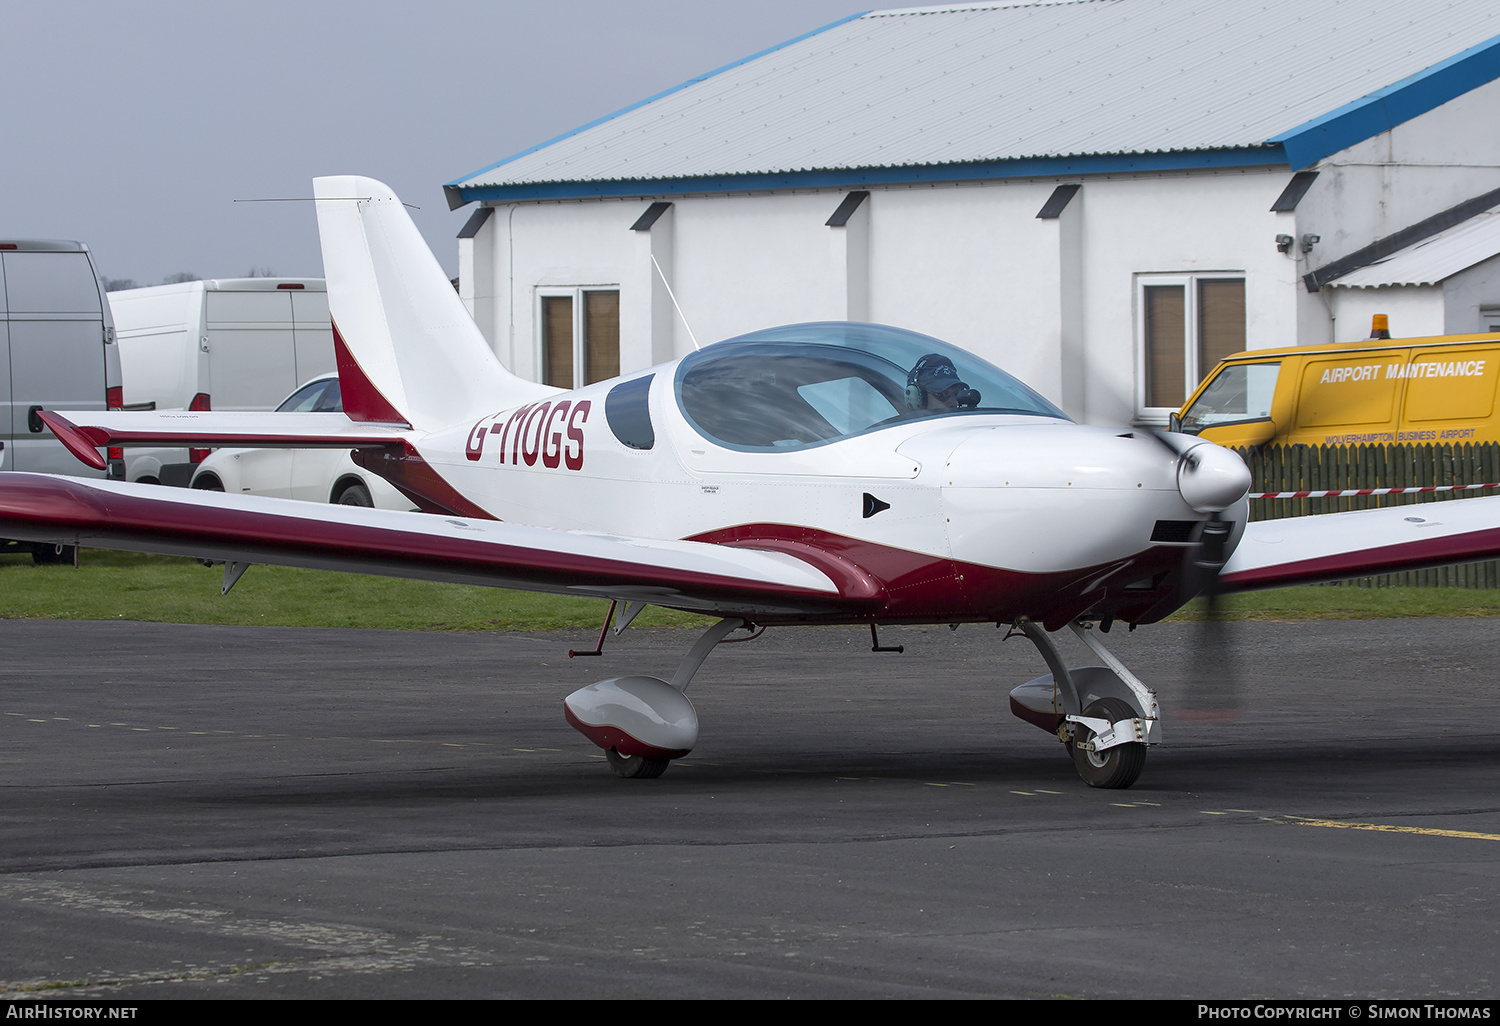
1424	473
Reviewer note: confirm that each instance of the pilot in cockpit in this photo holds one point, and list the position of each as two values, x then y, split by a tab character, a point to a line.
934	384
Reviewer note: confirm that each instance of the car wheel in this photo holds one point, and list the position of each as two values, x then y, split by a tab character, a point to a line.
208	483
355	495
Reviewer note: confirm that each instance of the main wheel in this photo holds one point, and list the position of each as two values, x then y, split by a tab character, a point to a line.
636	767
208	483
355	495
1116	767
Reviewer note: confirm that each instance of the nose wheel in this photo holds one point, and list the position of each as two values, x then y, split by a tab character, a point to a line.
1116	767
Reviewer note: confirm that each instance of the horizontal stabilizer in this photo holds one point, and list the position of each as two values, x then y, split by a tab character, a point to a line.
84	432
1338	546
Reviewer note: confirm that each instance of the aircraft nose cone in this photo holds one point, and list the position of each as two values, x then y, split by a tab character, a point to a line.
1211	478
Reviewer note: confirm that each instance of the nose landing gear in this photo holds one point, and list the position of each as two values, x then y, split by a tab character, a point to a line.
1103	715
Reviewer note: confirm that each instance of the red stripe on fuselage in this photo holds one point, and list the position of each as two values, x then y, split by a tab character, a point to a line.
415	478
901	586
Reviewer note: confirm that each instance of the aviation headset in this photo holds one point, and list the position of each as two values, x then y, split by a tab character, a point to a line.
935	365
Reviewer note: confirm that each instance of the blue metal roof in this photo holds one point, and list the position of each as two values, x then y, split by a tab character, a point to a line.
1022	89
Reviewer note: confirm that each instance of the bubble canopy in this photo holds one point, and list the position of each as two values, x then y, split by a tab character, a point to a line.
805	385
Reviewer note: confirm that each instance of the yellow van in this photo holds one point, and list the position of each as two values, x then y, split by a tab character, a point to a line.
1376	391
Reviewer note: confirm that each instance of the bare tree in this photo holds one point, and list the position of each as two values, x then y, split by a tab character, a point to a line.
260	272
179	277
120	284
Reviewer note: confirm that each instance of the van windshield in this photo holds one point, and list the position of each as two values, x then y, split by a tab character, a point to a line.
1239	392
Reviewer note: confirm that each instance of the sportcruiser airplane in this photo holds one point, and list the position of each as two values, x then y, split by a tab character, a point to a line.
828	473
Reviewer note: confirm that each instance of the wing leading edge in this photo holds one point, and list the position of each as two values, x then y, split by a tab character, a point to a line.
685	575
1338	546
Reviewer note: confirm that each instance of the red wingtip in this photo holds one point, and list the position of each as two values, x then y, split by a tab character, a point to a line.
362	400
81	442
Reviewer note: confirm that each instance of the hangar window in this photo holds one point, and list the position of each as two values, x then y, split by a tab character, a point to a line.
1185	324
579	335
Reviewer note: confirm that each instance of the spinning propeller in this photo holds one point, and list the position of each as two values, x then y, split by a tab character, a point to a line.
1211	479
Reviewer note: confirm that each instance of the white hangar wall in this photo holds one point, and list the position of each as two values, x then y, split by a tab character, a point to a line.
1056	302
1053	301
1386	183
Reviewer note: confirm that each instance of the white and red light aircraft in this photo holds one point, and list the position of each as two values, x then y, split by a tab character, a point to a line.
828	473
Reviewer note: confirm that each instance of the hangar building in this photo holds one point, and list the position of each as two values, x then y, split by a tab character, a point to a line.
1100	196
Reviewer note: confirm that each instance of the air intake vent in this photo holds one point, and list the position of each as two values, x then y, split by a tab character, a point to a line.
1173	531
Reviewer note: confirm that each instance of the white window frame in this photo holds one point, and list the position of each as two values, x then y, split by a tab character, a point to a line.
576	293
1192	373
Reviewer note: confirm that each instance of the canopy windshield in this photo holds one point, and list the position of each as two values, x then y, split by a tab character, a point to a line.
809	384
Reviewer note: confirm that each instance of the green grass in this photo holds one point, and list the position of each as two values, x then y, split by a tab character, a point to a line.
168	589
1349	603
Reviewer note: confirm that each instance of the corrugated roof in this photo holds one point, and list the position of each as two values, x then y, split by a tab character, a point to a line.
1430	261
1007	81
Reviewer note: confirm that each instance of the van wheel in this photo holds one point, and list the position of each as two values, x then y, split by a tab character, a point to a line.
355	495
208	483
43	555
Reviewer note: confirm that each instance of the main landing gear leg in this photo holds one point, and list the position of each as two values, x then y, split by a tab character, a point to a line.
643	723
1103	714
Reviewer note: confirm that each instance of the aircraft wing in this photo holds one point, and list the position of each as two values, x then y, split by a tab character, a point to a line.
1338	546
686	575
85	432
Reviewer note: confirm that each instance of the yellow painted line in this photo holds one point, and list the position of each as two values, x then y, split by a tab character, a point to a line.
1207	813
1391	828
1251	811
930	784
1029	794
1043	790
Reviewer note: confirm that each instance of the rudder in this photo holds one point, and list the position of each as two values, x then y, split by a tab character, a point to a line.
407	348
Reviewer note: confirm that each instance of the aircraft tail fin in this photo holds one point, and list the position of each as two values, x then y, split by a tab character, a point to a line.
407	349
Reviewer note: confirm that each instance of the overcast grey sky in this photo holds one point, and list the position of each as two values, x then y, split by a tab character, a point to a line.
133	127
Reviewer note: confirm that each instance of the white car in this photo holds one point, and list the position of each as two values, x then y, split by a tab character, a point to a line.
318	475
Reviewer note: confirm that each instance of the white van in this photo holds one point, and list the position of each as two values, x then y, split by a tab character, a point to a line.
57	352
222	344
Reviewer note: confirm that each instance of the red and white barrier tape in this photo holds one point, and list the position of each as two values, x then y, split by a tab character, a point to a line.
1336	494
